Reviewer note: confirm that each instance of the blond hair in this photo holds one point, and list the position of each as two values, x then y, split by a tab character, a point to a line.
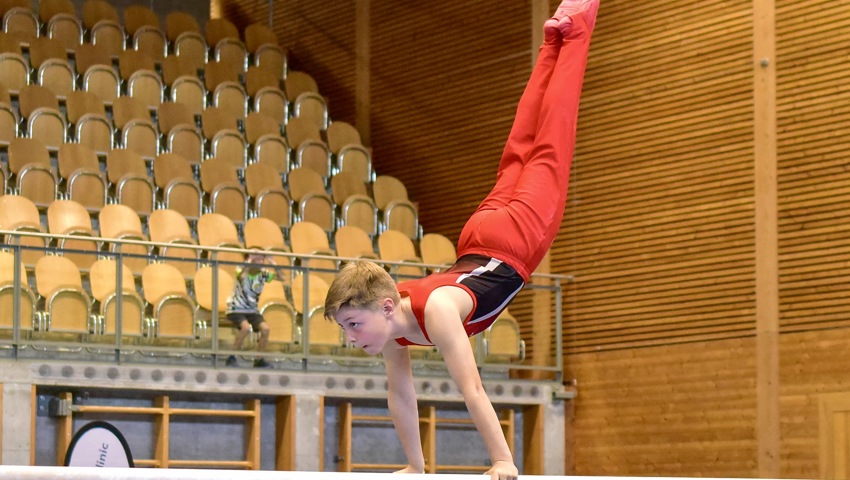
360	284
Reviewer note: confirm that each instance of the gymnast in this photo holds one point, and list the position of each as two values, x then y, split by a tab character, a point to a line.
498	249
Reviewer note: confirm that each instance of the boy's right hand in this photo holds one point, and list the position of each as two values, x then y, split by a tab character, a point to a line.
409	469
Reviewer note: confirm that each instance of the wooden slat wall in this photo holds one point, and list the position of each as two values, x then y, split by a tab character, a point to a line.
684	409
446	78
659	230
814	178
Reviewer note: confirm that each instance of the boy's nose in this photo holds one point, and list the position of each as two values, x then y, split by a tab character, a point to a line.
349	337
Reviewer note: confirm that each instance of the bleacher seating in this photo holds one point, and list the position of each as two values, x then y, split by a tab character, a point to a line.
185	134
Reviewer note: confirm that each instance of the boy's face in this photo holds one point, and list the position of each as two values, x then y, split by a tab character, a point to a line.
364	328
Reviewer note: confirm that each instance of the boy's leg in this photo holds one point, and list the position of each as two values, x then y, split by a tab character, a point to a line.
263	341
244	329
522	231
521	137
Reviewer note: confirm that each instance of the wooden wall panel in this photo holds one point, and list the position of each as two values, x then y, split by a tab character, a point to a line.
666	411
659	227
445	83
814	179
813	363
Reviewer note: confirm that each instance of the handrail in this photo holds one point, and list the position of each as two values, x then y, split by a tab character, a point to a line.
551	282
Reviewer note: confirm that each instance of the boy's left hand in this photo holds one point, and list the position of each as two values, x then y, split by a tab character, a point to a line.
503	470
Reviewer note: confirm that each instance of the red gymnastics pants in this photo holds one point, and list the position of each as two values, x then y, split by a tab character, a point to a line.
518	220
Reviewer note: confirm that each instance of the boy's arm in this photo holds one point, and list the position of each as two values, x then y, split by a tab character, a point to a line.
445	328
401	399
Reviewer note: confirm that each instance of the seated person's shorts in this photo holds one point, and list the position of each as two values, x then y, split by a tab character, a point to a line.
255	319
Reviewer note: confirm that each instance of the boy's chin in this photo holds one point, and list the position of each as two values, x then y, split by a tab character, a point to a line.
372	350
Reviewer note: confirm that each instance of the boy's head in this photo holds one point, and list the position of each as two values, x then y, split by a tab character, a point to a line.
361	285
254	257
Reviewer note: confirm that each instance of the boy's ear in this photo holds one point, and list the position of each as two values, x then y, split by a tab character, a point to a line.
388	306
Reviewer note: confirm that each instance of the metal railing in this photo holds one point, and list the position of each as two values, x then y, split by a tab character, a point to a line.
205	346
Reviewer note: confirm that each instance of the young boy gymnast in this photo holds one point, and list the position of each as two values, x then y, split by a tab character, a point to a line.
498	249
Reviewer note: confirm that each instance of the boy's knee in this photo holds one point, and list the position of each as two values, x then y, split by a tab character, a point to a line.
264	329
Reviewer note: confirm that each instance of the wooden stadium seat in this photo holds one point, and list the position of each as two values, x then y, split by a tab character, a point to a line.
264	234
40	110
268	199
35	178
354	205
151	41
437	249
122	222
80	170
268	98
268	145
191	48
178	22
230	146
49	60
129	181
67	217
215	120
231	96
262	42
203	286
8	118
21	22
94	11
66	303
217	29
87	117
18	213
232	51
308	192
341	134
223	189
321	335
502	341
217	230
310	150
348	151
103	279
138	70
14	68
307	238
280	316
386	189
403	216
138	16
176	123
173	309
186	88
171	227
259	34
27	304
298	82
176	184
107	33
353	242
133	120
62	22
94	66
397	247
